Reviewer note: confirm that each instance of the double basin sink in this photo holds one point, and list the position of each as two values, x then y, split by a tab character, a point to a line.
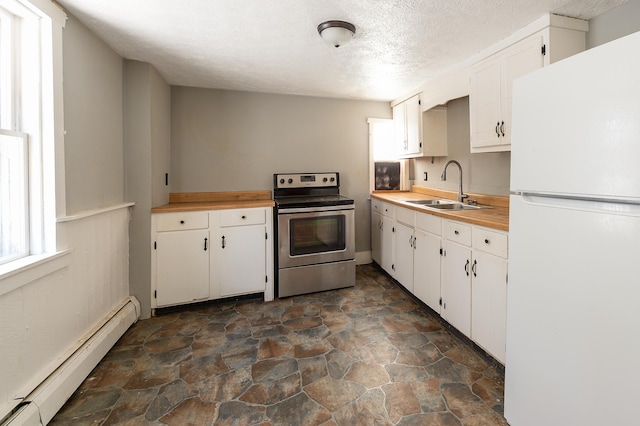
448	205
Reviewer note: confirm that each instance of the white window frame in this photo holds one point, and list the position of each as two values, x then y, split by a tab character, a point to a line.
38	112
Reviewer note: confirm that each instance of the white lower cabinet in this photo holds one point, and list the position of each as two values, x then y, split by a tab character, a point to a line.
457	269
382	227
474	284
403	259
182	267
239	254
208	255
376	236
489	291
181	247
427	259
456	276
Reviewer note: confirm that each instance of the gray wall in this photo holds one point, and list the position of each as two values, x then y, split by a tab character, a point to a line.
147	108
484	173
618	22
94	150
230	141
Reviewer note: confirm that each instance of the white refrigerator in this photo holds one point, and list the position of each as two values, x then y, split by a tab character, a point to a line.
573	305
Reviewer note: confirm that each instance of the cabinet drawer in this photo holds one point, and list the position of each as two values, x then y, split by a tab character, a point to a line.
242	217
406	216
429	223
382	207
376	205
457	232
388	210
181	221
490	241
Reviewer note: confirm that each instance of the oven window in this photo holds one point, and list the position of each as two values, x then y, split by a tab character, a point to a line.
317	234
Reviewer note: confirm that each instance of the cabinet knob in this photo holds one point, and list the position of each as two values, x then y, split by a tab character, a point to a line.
244	217
456	232
182	222
486	241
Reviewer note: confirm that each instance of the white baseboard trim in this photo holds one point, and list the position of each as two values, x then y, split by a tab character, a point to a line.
46	400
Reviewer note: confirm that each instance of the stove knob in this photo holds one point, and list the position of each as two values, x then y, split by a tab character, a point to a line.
290	180
333	179
281	180
324	179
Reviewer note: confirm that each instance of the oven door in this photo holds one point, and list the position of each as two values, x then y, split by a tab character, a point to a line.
310	236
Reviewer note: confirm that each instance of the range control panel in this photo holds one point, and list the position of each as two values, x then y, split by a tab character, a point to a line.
306	180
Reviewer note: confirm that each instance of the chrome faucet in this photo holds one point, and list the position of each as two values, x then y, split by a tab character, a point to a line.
443	176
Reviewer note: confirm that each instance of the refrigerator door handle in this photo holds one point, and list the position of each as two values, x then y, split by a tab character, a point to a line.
596	205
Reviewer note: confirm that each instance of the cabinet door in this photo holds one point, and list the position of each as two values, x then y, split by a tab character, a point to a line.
426	268
386	244
413	119
400	128
523	59
403	260
456	288
489	303
484	105
240	260
182	266
376	237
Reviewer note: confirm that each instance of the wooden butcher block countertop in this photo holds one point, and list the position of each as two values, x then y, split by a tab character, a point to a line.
196	201
496	217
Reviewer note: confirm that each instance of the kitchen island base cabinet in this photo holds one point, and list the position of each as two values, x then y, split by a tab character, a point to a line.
206	255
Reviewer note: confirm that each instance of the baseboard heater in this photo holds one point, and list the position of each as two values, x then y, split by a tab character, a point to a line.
39	407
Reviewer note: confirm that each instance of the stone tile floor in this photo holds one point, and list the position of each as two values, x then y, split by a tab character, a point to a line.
367	355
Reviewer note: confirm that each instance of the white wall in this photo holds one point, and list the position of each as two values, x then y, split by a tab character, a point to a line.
616	23
147	123
483	173
46	310
230	141
94	150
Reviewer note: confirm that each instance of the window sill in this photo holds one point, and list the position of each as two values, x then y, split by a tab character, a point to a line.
15	274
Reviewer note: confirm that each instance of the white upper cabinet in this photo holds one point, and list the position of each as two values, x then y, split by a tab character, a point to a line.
491	79
407	121
491	93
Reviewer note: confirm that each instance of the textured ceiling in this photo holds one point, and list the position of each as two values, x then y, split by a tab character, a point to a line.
273	46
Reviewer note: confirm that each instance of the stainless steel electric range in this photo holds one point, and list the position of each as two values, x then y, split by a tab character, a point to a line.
315	248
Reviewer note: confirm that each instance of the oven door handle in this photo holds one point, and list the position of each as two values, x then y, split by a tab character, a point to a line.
316	209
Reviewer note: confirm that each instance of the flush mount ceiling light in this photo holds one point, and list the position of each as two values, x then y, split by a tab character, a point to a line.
336	33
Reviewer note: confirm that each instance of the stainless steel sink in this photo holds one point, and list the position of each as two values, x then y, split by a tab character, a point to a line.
439	204
432	202
457	206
